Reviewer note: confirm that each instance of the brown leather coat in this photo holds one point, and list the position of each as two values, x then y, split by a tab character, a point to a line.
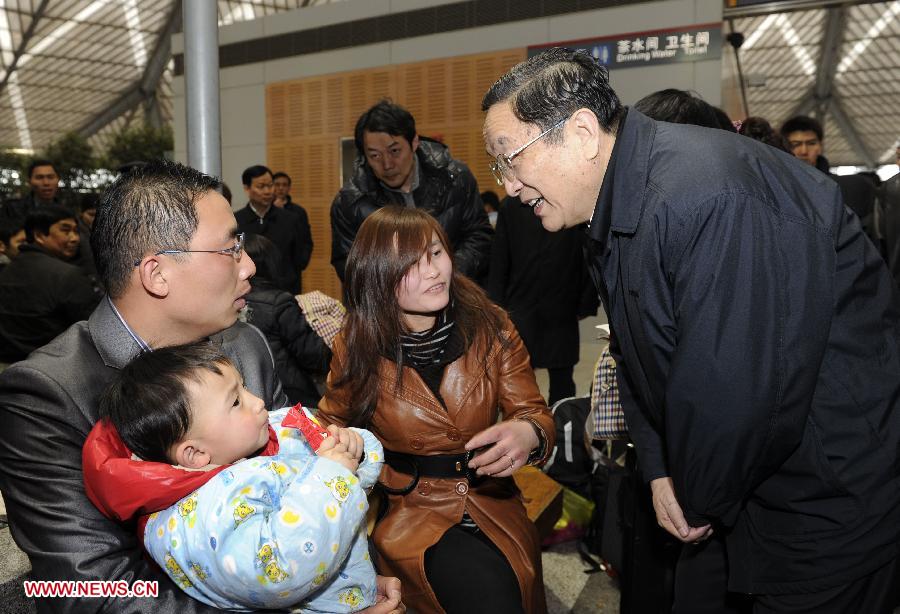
411	420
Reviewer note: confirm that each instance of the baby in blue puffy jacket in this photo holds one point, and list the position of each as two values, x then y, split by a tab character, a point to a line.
274	526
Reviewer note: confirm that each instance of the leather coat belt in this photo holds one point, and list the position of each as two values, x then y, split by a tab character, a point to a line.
435	466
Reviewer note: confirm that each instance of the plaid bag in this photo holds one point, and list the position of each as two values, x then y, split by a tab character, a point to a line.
606	420
324	314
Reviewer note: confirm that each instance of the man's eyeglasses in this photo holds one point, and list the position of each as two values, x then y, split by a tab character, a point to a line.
501	167
235	251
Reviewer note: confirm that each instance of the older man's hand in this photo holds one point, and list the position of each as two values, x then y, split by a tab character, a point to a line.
670	516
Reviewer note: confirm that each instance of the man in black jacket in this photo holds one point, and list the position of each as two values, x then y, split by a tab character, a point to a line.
178	276
806	140
44	182
396	166
282	227
282	183
41	294
755	327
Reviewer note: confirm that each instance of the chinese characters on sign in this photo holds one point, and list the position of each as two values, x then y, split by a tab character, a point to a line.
647	48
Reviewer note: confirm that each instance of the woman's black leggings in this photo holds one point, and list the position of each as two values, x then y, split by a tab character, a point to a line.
470	575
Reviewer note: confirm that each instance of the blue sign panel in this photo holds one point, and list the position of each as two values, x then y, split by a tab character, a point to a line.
688	44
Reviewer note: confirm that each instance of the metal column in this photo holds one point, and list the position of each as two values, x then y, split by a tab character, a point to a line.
201	84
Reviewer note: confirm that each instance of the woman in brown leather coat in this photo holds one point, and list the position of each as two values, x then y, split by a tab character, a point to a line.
429	364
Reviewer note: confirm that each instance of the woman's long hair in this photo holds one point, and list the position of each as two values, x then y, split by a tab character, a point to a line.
265	255
388	244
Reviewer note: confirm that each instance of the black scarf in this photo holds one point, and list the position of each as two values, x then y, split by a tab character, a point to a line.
427	347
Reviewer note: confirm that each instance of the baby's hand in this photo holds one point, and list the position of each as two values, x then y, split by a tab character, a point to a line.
335	450
354	441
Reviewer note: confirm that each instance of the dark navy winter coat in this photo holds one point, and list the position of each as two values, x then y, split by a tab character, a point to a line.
758	336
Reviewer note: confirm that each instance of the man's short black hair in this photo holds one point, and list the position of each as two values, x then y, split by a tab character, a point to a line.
384	116
148	402
8	228
251	173
40	162
43	217
680	107
759	129
552	85
281	174
88	201
150	208
802	123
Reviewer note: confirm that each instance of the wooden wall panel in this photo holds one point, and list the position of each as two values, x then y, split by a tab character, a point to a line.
383	86
335	97
435	94
276	113
315	107
306	119
295	111
277	157
412	90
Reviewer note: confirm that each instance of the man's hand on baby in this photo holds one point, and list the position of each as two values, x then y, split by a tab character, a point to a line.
354	440
334	449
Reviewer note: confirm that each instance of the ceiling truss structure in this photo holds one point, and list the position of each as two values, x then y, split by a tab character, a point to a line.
94	66
97	66
838	61
144	91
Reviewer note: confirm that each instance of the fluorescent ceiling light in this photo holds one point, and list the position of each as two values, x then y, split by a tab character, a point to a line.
861	45
790	36
793	39
56	35
133	19
758	32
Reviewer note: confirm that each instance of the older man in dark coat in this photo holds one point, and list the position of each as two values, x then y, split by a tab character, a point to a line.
756	329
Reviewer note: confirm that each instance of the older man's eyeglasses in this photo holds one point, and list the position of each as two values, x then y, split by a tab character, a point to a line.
235	251
501	167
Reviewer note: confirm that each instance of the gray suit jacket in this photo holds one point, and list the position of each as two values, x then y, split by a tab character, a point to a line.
48	405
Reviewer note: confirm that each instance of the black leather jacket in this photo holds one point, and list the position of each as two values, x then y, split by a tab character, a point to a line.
447	190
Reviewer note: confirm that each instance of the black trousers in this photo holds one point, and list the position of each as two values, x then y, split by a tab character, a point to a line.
562	384
470	575
701	577
876	593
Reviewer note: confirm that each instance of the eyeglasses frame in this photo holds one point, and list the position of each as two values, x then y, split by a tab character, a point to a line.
502	160
235	251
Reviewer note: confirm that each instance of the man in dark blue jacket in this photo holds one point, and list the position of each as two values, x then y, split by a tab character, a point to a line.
757	331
